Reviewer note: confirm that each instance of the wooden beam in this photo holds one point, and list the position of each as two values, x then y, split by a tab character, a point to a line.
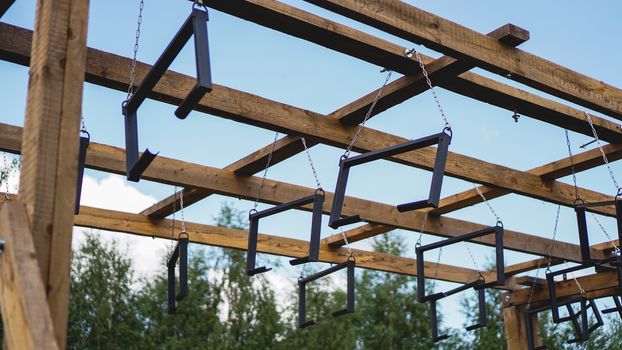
25	312
516	328
111	71
225	182
307	26
393	94
560	168
526	266
601	284
282	246
50	143
437	33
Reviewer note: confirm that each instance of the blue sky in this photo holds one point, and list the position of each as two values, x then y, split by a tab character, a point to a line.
578	34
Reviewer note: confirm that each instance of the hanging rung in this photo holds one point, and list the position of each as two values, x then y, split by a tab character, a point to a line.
179	254
84	145
584	239
442	139
302	291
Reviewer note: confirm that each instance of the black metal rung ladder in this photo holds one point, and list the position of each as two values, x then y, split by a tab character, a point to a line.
316	226
179	254
442	139
195	25
302	292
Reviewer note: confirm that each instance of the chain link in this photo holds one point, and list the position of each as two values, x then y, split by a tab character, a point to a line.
265	171
479	272
576	281
346	154
550	247
602	152
83	125
492	210
425	218
130	88
347	244
181	209
7	174
533	285
574	174
317	180
602	228
438	264
408	53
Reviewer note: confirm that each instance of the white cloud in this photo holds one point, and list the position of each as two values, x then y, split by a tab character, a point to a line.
114	193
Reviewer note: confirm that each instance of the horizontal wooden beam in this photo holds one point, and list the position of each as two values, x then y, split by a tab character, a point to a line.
551	171
411	23
25	311
238	239
111	70
330	34
596	285
225	182
392	94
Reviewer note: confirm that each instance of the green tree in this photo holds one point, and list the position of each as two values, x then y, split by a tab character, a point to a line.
102	308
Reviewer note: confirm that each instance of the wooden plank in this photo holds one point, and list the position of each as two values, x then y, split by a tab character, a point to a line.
437	33
393	94
111	70
307	26
225	182
275	245
516	328
601	283
25	312
560	168
50	143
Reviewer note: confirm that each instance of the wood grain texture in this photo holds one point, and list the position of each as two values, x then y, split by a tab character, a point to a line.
413	24
50	143
25	312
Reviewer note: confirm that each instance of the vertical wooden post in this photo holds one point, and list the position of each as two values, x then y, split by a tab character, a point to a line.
50	143
516	327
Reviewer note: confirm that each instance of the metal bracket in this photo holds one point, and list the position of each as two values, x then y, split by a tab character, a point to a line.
617	308
443	139
316	226
4	6
584	240
302	283
496	230
84	145
196	25
179	254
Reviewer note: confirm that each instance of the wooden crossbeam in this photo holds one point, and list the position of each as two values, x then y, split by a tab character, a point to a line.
238	239
25	311
225	182
330	34
437	33
353	113
111	71
560	168
50	144
596	285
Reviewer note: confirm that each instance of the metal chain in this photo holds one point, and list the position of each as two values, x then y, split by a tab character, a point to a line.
130	88
83	125
602	228
347	244
533	285
265	171
576	281
574	175
408	53
479	272
181	209
438	263
487	203
425	218
550	247
600	147
317	180
346	154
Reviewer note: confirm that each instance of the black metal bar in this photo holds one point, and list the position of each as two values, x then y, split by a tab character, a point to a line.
617	308
204	75
550	280
572	317
584	240
459	289
4	6
434	324
499	256
84	145
283	207
350	297
179	254
135	165
482	316
251	252
316	230
595	204
443	139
